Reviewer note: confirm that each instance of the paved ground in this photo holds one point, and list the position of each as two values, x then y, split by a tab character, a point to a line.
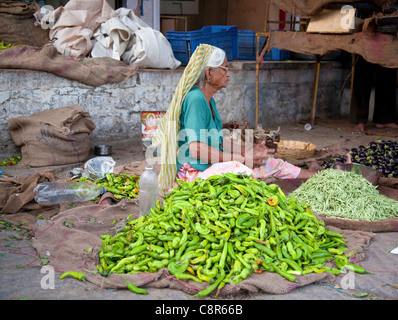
22	275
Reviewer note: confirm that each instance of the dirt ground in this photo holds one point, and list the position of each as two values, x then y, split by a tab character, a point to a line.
21	272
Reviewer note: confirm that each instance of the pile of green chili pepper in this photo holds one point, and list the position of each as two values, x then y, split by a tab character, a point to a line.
121	185
221	230
10	161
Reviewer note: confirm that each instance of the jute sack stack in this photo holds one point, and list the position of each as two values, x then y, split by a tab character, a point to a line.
53	137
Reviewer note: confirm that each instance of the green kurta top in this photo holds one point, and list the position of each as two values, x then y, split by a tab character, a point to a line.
197	124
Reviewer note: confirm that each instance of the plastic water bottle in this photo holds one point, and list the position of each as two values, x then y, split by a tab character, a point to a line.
148	193
50	193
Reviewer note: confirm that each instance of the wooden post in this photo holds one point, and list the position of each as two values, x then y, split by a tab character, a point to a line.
315	88
258	62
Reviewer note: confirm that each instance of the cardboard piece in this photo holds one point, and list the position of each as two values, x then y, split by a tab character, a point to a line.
335	21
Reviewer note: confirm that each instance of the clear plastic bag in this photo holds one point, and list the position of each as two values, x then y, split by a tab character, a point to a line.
96	168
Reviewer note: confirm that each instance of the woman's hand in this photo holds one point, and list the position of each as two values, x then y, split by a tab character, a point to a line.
258	154
238	157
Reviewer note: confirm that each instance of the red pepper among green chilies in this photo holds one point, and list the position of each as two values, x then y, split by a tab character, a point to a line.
273	201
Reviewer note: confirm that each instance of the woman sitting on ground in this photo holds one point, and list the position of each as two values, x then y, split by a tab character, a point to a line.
191	135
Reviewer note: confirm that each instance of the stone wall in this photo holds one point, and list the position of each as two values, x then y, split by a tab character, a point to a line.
285	96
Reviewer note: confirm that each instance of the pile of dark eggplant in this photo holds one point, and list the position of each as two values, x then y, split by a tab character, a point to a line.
380	155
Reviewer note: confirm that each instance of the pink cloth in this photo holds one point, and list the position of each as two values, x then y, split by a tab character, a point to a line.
272	167
277	168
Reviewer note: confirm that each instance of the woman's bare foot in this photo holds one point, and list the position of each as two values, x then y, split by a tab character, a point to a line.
306	173
386	125
359	128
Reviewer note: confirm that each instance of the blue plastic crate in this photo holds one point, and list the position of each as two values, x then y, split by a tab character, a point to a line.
247	42
277	55
185	43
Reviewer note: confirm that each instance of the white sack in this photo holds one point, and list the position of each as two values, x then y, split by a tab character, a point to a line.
75	23
112	39
151	49
142	45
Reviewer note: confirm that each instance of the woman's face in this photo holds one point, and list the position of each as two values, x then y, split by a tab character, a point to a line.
219	77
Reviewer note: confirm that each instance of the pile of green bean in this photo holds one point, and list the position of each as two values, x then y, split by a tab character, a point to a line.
345	195
221	230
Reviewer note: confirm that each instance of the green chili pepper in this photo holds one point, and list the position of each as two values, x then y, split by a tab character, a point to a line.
115	191
205	277
138	249
264	249
134	288
292	264
242	275
178	267
321	254
109	178
243	261
184	276
213	192
333	270
77	275
210	238
290	249
342	262
123	262
233	178
200	259
213	259
212	287
223	255
231	251
181	250
333	233
245	221
284	274
202	229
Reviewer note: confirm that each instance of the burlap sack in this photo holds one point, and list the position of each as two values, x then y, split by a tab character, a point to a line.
17	24
321	44
17	193
67	247
309	8
53	137
90	71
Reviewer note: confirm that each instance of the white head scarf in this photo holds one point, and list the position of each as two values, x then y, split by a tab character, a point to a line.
166	134
217	58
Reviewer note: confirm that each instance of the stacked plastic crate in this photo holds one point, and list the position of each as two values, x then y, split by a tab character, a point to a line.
247	42
185	43
238	44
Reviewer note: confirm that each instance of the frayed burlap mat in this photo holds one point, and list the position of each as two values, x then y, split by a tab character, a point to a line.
72	241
